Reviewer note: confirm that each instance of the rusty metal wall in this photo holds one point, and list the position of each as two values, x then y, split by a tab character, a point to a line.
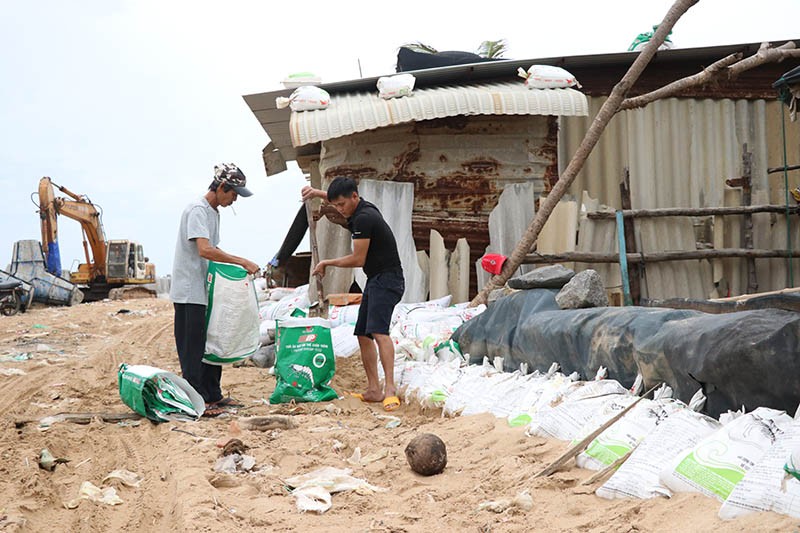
458	166
680	152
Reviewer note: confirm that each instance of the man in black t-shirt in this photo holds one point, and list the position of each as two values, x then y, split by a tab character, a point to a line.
374	249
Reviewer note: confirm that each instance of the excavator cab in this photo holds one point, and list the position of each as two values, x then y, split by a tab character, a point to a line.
126	263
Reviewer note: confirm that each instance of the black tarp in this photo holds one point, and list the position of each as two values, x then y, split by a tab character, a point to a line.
408	59
749	358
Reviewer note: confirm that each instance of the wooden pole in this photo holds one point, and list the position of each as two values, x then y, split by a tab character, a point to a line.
630	237
692	211
655	257
604	116
315	310
623	260
747	227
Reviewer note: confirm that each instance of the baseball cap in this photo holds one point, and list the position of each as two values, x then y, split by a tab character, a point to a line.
493	263
230	174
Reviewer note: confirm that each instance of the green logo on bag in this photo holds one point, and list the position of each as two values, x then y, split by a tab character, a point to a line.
319	360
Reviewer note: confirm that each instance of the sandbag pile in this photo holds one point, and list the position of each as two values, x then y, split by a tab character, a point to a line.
419	330
748	461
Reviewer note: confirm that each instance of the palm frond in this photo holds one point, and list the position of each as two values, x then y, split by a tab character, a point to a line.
493	49
421	47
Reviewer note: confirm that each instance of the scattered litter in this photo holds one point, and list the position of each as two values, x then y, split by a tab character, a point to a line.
310	489
522	501
77	418
323	429
48	462
235	462
128	478
11	372
357	460
128	423
39	326
264	423
91	492
83	462
393	421
15	357
391	424
234	446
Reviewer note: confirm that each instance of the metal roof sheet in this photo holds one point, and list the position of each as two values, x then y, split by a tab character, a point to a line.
355	112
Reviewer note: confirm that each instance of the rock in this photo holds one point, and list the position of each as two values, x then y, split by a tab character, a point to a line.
584	290
264	357
547	277
426	454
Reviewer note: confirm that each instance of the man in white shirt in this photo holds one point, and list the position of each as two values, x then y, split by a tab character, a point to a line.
198	238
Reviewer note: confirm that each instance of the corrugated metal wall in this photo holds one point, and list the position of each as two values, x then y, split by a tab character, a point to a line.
679	152
459	167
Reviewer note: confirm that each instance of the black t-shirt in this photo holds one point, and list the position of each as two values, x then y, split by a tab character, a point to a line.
368	223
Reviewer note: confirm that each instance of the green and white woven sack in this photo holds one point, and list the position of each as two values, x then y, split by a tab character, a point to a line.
232	325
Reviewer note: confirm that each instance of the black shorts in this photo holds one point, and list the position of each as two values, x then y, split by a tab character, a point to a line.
382	292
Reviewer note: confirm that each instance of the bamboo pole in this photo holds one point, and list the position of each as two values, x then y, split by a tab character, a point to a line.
579	447
692	211
655	257
604	116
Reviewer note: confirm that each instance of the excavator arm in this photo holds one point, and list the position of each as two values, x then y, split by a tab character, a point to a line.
78	208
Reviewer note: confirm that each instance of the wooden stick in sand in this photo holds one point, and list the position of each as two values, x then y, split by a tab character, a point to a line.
78	418
608	470
578	448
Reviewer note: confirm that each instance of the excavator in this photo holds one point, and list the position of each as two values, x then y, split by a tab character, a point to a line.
113	268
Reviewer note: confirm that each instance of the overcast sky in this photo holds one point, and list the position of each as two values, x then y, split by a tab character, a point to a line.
133	102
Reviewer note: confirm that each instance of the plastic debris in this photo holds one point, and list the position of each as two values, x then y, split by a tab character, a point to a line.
522	501
314	499
310	489
48	462
235	462
128	478
91	492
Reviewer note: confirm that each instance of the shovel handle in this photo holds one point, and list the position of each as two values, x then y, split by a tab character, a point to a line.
312	231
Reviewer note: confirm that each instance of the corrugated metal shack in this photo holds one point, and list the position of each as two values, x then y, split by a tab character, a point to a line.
460	152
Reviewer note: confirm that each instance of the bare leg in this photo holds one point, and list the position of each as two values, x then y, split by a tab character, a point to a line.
369	358
386	350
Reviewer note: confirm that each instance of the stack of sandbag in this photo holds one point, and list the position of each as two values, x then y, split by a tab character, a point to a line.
421	330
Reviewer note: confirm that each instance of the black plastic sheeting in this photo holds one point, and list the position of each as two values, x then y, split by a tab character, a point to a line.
749	358
408	59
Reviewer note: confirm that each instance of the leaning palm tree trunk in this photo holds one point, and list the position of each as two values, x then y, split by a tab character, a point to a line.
606	113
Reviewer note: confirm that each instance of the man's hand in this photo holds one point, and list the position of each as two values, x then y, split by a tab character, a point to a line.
320	269
251	267
307	193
